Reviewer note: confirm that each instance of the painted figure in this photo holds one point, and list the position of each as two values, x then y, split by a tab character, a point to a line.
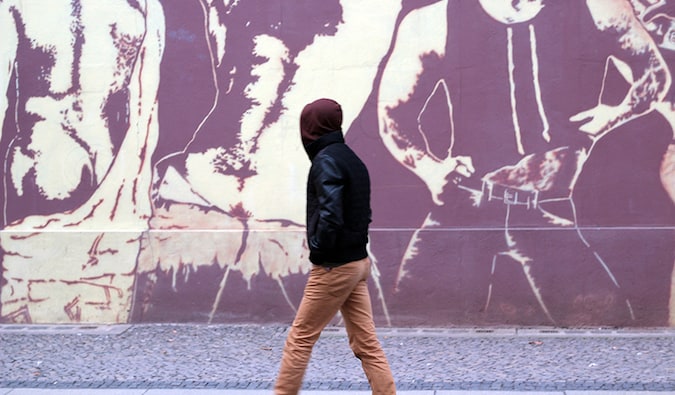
231	186
225	172
80	127
537	118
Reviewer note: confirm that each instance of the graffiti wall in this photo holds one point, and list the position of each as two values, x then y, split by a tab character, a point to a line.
522	157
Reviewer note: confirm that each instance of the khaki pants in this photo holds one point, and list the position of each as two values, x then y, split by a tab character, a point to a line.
343	288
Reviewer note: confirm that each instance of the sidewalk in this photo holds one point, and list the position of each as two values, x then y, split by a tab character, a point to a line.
244	359
268	392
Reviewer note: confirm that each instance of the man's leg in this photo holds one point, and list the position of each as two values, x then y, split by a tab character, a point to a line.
358	316
325	292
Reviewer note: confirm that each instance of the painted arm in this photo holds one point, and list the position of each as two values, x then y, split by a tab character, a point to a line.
8	44
9	40
399	93
134	170
639	62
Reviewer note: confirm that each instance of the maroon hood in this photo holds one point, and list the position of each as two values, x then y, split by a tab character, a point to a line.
319	118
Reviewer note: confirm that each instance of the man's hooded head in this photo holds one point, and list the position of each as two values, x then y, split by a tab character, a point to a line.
319	118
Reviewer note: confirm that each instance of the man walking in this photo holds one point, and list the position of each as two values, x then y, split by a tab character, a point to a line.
338	215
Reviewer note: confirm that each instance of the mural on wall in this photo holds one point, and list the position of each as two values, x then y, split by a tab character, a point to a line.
241	167
525	128
80	125
521	154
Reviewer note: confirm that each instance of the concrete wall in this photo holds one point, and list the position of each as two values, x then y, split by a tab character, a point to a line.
521	155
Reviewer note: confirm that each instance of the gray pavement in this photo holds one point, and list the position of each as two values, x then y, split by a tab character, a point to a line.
173	359
187	391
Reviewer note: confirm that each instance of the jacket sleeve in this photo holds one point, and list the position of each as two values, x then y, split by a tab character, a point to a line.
328	183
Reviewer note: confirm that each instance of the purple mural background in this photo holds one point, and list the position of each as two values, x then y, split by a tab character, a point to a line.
521	154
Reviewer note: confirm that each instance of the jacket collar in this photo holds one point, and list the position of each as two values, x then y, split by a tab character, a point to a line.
322	142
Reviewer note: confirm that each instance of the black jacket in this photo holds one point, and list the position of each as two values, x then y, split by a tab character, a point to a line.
338	202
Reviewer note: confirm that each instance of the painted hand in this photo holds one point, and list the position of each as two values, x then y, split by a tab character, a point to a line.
456	168
596	120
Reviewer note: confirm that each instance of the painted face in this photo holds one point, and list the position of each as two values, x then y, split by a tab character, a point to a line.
511	12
